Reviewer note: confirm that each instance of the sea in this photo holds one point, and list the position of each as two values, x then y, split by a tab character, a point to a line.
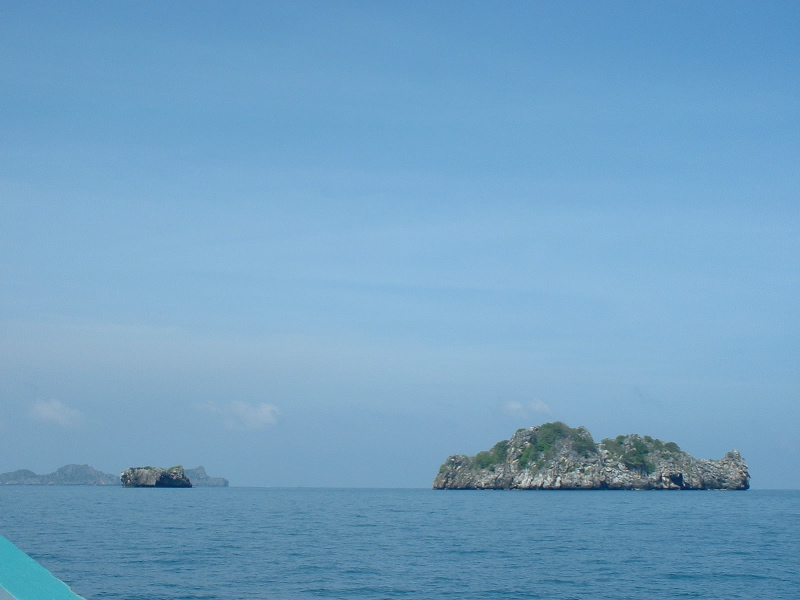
303	543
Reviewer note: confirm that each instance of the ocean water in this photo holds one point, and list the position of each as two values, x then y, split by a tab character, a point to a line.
265	543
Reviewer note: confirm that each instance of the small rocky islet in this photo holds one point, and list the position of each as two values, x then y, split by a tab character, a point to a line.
554	456
174	477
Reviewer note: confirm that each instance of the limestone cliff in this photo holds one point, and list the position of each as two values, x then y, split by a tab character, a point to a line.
554	456
155	477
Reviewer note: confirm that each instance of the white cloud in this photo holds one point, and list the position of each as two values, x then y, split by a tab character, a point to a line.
56	412
241	415
528	410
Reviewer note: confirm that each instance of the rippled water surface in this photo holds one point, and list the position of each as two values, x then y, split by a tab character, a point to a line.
243	543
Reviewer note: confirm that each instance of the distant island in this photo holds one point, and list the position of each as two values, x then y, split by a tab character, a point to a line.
66	475
86	475
554	456
199	478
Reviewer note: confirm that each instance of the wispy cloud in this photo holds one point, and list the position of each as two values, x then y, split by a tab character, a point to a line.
515	409
55	411
241	415
528	409
541	407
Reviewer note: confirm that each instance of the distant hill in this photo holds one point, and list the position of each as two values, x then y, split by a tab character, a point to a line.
67	475
199	478
86	475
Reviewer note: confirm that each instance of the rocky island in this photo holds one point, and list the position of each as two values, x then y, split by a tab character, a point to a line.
555	456
174	477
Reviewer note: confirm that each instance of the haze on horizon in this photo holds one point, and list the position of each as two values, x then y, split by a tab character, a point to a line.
329	244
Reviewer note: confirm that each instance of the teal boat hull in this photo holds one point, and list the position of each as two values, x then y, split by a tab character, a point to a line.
22	578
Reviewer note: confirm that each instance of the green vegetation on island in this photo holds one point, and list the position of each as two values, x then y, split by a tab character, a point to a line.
543	444
634	451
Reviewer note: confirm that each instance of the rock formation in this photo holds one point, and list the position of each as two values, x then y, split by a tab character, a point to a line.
66	475
199	478
154	477
554	456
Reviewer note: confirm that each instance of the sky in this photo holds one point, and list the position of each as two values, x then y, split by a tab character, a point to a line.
331	243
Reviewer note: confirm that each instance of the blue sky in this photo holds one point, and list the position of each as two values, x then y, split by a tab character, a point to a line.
332	243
